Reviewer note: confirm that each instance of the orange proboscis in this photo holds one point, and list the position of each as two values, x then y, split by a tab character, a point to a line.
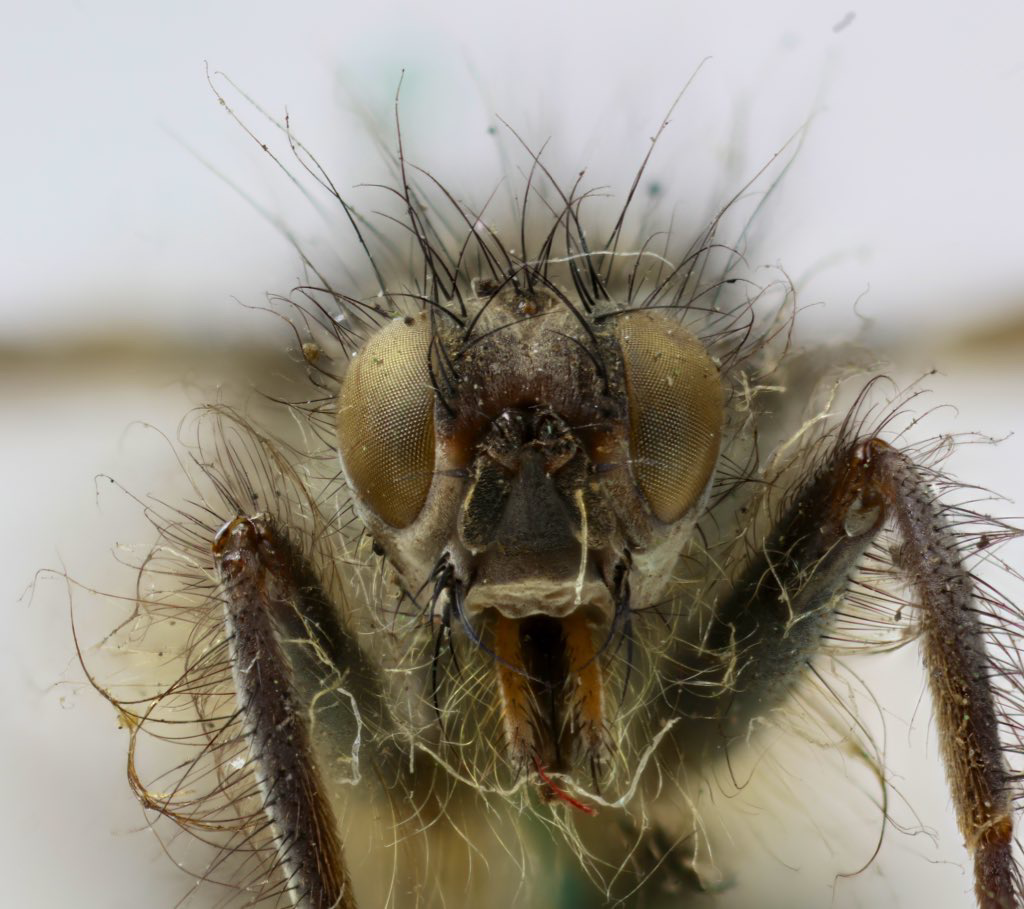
586	692
582	702
514	684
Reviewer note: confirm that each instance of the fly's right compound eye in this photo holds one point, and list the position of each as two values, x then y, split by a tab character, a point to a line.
386	421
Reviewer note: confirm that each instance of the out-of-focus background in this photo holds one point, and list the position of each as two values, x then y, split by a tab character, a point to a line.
127	250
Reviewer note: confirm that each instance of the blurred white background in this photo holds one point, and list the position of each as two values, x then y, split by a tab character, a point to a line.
121	254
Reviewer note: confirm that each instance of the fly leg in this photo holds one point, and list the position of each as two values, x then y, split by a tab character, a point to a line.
774	621
271	598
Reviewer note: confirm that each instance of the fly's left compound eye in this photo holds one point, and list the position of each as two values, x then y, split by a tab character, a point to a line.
386	422
676	411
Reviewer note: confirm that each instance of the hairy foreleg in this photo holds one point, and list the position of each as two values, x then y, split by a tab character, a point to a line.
264	586
784	603
959	672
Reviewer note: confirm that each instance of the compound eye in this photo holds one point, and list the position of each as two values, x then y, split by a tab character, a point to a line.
386	422
676	411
